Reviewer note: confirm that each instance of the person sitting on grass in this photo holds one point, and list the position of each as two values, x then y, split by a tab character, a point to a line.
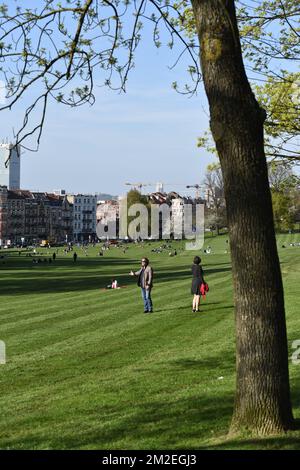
197	280
145	282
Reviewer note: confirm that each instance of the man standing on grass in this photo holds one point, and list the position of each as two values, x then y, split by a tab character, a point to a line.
145	282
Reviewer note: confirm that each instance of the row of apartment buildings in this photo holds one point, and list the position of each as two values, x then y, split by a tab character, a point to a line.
29	216
108	212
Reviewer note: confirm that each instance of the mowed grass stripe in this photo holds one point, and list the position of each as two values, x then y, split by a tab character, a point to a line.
101	374
102	299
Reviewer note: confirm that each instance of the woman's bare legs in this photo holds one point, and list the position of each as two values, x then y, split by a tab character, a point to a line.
194	302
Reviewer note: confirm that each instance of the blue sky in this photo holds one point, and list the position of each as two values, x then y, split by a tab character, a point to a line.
148	134
145	135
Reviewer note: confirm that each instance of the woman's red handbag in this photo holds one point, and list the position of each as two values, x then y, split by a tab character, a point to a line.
204	289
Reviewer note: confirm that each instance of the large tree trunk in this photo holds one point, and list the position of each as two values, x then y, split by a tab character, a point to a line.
262	402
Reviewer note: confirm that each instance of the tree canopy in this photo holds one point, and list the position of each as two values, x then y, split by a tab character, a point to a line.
270	39
62	49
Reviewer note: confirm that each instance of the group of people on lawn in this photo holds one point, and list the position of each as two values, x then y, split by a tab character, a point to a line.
145	282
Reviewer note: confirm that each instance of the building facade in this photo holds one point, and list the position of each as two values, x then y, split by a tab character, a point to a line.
175	224
33	216
10	166
84	216
3	214
107	211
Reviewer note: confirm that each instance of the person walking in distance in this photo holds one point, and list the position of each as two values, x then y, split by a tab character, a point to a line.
145	282
197	280
75	257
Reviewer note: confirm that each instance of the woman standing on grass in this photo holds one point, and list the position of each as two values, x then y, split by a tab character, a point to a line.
197	280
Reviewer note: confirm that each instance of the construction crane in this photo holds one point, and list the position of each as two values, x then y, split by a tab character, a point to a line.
138	186
197	188
160	186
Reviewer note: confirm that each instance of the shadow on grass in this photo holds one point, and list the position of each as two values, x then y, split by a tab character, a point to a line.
287	442
295	398
191	423
155	425
194	422
204	307
83	275
81	263
206	363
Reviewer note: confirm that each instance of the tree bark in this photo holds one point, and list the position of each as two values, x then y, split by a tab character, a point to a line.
262	401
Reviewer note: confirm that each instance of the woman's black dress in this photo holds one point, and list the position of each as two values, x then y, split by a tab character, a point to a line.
197	272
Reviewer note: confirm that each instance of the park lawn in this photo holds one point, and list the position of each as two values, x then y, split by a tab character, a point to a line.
87	369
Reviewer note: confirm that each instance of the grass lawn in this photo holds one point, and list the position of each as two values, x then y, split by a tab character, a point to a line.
87	369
